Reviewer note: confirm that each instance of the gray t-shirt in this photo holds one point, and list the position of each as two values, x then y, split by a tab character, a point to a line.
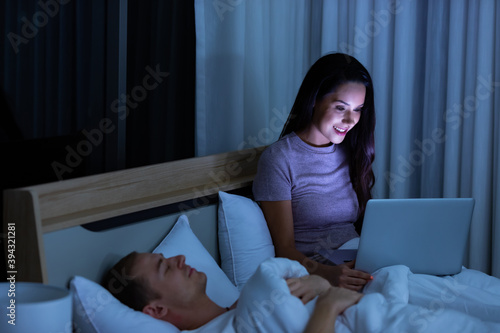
316	180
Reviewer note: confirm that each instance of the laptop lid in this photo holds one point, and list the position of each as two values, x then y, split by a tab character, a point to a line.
427	235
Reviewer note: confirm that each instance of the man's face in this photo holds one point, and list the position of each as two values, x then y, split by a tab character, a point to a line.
175	282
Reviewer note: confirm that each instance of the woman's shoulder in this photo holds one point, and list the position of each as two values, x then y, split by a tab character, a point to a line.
283	145
278	152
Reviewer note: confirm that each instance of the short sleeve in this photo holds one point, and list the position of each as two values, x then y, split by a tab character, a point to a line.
273	181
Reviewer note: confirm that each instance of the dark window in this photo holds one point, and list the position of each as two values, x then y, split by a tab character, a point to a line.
91	86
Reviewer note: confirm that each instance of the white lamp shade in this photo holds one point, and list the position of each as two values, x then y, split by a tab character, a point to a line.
35	307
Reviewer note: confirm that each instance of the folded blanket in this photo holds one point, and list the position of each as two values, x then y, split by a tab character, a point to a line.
265	303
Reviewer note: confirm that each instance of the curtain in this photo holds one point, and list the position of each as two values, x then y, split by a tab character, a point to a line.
437	90
67	66
54	83
40	56
161	37
250	57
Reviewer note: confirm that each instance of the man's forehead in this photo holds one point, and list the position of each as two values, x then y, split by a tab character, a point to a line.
144	260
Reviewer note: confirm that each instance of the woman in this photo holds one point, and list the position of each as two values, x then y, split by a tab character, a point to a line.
315	181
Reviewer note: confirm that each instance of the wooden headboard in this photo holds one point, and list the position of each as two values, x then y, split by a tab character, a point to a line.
40	209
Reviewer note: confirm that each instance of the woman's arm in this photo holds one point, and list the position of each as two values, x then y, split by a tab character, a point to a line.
279	219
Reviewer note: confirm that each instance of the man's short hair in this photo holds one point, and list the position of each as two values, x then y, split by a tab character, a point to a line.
132	291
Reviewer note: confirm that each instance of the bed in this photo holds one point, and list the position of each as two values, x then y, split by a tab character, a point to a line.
200	207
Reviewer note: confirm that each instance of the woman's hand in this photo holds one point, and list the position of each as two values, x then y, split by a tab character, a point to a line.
307	287
279	219
345	276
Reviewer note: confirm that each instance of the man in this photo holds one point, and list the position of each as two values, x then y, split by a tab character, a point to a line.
168	289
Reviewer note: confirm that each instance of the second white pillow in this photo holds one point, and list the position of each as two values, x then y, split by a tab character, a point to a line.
244	238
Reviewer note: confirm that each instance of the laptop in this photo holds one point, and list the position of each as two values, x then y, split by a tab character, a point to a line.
427	235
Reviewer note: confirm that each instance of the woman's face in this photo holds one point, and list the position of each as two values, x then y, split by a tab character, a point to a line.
335	115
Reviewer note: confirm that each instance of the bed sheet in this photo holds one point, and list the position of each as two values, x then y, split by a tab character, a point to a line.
395	301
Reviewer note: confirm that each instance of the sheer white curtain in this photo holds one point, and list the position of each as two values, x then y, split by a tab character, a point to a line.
437	89
251	57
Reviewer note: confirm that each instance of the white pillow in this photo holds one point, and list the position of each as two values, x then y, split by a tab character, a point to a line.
244	238
96	310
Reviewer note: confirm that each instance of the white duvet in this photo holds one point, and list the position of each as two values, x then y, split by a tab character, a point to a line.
400	301
395	301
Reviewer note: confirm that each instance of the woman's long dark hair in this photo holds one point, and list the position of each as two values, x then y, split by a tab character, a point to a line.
329	72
